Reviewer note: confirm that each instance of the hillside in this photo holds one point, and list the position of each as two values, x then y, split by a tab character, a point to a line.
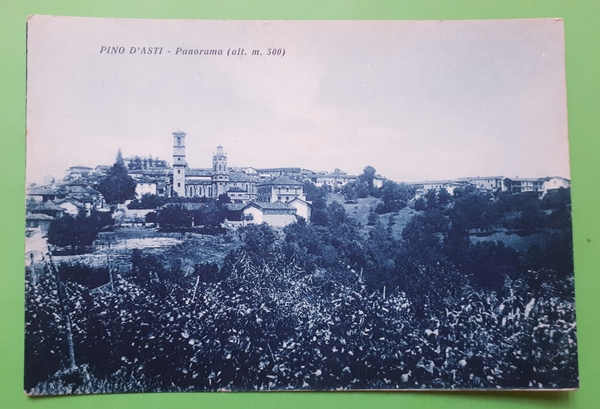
360	212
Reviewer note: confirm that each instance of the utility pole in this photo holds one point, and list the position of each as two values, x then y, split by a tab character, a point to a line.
65	314
112	284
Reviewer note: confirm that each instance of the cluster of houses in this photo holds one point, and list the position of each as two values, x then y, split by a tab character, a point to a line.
271	195
48	202
539	186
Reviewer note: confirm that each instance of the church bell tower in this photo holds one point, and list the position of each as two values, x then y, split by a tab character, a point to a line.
179	164
220	173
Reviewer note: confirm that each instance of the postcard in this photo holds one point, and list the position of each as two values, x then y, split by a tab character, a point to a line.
297	205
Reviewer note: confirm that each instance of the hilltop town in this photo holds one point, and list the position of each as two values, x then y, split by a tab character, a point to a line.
273	195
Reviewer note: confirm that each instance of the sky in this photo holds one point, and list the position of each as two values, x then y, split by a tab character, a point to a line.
417	100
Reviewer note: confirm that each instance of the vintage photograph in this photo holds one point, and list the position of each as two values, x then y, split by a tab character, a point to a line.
297	205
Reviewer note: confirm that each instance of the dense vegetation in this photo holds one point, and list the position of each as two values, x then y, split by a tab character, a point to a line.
117	187
328	304
76	234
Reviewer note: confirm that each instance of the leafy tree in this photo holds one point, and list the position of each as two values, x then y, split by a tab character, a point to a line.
337	214
394	196
367	176
557	199
313	192
420	204
258	240
558	202
151	217
473	210
74	232
223	198
136	163
319	215
350	193
372	218
148	201
423	238
443	198
488	263
103	220
213	214
117	186
174	217
303	243
362	189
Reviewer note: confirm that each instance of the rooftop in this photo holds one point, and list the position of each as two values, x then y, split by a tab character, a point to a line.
281	180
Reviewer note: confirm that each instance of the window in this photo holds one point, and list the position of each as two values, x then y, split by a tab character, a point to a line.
178	171
178	184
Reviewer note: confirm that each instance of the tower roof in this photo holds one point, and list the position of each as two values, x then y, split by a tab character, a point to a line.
220	152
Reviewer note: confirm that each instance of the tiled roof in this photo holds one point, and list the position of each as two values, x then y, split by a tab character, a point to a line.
207	182
235	206
74	202
34	207
186	206
198	172
270	206
80	167
281	180
78	188
297	199
38	216
241	177
39	191
482	177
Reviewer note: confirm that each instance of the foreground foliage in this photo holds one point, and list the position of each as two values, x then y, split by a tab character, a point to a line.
274	326
322	305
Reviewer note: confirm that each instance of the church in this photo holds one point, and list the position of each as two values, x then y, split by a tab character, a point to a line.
210	182
258	196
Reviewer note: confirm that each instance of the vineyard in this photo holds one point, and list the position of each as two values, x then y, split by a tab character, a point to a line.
309	307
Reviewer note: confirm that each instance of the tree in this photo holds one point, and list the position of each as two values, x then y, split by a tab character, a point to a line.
319	215
117	186
394	197
74	232
258	240
313	192
135	163
350	193
213	214
223	198
372	218
148	201
368	175
337	214
174	217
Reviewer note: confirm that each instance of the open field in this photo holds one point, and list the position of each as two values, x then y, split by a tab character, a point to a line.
114	248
